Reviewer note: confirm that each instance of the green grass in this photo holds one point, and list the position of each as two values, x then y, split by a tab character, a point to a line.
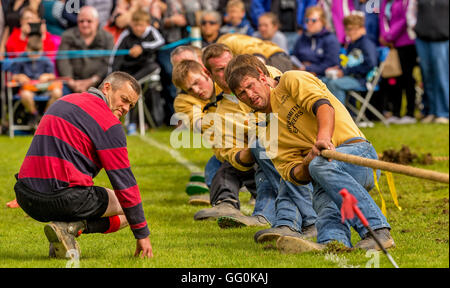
421	229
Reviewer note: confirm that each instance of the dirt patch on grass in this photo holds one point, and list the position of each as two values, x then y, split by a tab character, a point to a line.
404	156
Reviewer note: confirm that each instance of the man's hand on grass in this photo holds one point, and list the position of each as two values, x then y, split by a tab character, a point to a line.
144	246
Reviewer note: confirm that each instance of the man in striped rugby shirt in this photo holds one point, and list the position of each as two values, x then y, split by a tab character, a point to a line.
78	136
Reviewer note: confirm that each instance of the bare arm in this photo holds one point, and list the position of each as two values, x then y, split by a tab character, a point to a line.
325	130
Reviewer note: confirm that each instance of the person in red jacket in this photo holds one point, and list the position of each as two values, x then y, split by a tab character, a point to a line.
17	41
79	135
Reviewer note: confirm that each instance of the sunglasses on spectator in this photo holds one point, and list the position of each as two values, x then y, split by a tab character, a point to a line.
204	22
313	20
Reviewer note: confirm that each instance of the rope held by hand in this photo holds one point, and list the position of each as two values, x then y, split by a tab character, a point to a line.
387	166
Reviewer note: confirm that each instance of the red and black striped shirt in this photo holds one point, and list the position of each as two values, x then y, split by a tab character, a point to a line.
76	138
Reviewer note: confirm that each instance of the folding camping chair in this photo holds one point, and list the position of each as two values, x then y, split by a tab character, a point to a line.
365	94
14	99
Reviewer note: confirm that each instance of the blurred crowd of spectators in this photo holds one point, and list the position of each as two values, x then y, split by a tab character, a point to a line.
312	32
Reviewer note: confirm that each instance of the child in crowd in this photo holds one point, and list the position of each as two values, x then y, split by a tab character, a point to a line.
35	75
268	25
361	58
235	19
142	40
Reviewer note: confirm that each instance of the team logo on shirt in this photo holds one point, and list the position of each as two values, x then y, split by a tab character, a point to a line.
292	118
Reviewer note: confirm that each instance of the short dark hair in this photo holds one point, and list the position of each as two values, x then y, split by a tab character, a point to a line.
118	78
235	77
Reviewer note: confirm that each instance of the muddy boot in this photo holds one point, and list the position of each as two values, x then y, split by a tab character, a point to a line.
295	245
235	221
275	233
202	199
309	232
221	209
369	243
61	236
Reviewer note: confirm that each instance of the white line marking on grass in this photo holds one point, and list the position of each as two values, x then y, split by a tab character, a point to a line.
174	153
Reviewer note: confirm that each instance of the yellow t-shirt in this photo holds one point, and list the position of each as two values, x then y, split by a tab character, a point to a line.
244	44
293	100
235	130
190	107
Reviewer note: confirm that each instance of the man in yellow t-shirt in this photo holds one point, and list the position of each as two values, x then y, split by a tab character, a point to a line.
311	119
193	78
285	218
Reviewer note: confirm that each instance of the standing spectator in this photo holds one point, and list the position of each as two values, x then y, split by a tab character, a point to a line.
236	22
432	46
290	12
13	11
268	25
394	34
84	72
210	22
362	58
17	41
317	49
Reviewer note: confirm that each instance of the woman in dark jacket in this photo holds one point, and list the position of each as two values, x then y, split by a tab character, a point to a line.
317	49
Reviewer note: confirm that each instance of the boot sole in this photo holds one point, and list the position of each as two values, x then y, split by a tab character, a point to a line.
267	237
387	245
60	246
294	245
198	202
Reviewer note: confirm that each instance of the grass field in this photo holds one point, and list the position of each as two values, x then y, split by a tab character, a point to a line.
420	230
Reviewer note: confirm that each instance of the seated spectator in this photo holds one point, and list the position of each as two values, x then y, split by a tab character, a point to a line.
317	49
32	74
361	59
84	72
268	25
17	41
210	22
125	9
236	22
142	40
13	11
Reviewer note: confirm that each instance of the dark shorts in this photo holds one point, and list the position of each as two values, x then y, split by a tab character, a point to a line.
68	205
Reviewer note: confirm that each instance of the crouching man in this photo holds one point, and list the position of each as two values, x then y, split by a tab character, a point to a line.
78	136
311	119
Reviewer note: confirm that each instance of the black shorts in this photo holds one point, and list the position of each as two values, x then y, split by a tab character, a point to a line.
68	205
